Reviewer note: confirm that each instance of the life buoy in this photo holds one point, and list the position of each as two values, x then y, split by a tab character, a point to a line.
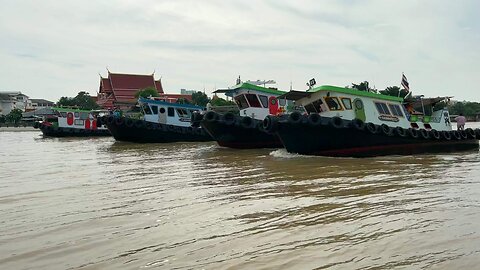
400	131
446	135
336	122
371	127
413	133
295	118
229	119
314	119
435	134
357	124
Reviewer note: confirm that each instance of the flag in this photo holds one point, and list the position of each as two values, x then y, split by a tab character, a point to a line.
405	83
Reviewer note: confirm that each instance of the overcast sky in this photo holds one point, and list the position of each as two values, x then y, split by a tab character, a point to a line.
50	49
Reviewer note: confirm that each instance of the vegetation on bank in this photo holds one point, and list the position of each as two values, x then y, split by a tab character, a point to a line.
82	101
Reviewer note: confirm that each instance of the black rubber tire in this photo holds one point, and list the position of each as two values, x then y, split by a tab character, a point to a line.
270	124
148	125
401	132
110	119
314	119
446	135
424	134
434	134
470	133
247	122
336	122
139	124
413	133
295	118
463	134
229	119
371	127
357	124
119	121
129	122
386	130
211	116
456	135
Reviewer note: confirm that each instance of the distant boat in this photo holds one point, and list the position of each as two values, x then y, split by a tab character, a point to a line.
69	122
161	122
352	123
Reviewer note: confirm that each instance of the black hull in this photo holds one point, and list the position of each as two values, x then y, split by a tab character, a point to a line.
239	134
51	131
324	139
141	131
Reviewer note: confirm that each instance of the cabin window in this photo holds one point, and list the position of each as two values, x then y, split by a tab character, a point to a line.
182	112
310	108
263	100
347	103
314	107
84	115
171	112
253	100
79	122
162	110
382	108
241	102
63	114
395	109
154	109
333	103
76	114
147	109
282	102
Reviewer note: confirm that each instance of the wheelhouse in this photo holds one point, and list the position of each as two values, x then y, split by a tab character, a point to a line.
163	112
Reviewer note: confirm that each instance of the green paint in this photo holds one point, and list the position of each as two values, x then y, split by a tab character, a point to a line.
355	92
359	109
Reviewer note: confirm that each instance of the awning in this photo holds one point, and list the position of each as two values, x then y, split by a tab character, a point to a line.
294	95
419	101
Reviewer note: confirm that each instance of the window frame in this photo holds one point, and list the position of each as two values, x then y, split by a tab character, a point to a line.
170	112
336	100
241	101
396	110
350	104
263	100
378	103
254	102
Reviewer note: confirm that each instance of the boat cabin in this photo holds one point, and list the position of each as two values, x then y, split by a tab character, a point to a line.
158	111
347	103
256	101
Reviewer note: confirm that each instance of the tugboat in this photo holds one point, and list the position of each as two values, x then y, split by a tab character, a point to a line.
344	122
162	122
68	122
245	130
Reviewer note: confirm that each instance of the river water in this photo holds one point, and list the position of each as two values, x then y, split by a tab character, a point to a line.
93	203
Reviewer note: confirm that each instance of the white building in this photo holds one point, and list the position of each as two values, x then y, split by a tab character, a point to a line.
41	103
13	100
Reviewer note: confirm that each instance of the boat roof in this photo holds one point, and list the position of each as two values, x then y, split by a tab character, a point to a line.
296	95
62	109
177	105
230	91
420	100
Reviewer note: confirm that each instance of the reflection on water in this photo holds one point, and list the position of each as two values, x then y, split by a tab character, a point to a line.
100	204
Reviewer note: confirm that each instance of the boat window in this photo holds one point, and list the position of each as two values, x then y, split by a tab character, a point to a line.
314	107
84	115
333	103
264	100
171	111
382	108
282	102
253	100
76	114
347	103
147	109
154	109
241	102
162	110
63	114
395	109
310	108
79	122
182	112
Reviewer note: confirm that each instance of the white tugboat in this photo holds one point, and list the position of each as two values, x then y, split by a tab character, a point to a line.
68	122
162	122
245	130
348	122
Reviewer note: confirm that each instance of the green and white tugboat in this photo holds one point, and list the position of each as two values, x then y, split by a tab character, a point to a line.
351	123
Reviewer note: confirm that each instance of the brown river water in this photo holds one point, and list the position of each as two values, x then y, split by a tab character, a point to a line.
93	203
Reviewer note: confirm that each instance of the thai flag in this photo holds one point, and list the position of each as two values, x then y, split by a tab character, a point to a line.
405	83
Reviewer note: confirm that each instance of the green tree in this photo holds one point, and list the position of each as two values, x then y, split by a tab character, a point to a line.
83	101
394	91
147	92
363	86
200	99
221	102
14	116
183	101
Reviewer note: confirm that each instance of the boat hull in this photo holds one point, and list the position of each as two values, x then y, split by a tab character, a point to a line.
52	131
141	131
323	139
239	132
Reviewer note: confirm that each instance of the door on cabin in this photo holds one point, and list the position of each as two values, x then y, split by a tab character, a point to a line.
272	105
359	109
162	115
